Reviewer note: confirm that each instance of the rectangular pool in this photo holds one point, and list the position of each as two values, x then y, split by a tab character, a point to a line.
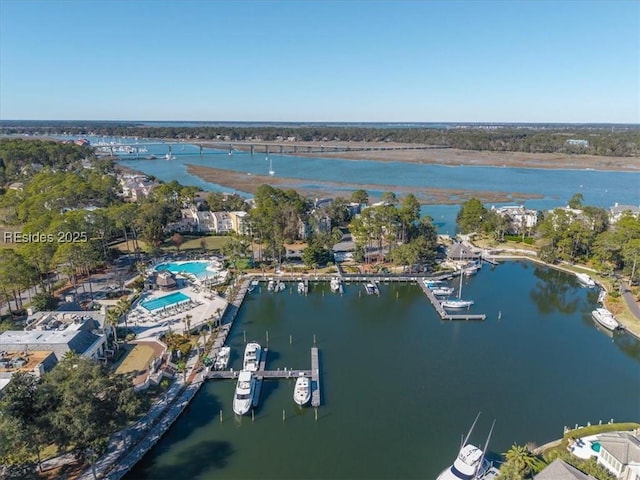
166	301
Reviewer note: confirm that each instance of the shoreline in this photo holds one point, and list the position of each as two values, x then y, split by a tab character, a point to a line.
318	189
444	156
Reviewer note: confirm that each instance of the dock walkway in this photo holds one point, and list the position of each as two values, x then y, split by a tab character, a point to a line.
444	315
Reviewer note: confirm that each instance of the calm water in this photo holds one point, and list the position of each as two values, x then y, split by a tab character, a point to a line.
400	386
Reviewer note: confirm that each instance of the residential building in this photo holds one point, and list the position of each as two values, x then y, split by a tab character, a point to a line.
561	470
222	222
617	210
59	332
620	453
460	251
519	217
574	142
239	222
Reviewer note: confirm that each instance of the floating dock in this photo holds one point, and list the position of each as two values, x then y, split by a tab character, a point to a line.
315	378
444	315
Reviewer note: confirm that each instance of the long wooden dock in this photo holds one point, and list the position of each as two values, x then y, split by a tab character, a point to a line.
315	378
262	374
444	315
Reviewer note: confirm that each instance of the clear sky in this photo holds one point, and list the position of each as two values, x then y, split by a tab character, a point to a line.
305	60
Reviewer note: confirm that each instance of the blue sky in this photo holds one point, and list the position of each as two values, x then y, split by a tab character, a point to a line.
304	60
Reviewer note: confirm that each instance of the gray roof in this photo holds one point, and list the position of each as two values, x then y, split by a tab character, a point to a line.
624	446
459	251
561	470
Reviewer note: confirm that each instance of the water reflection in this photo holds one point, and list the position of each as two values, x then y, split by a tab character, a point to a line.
553	293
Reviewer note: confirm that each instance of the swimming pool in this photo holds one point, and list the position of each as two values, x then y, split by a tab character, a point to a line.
197	268
166	301
595	446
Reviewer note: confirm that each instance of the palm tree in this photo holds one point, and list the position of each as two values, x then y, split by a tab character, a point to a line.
187	322
523	460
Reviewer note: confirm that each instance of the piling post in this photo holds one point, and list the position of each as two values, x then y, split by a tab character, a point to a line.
314	339
253	416
290	339
267	336
284	415
220	415
244	335
315	413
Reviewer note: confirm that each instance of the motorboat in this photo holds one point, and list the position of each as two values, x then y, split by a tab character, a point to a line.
243	397
371	289
222	359
302	390
335	284
302	288
279	286
252	356
271	285
585	280
442	291
471	464
605	318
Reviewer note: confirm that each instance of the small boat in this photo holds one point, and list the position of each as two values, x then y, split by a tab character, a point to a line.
442	291
302	390
252	356
471	464
586	280
302	288
371	289
605	318
271	285
243	397
335	284
457	302
271	170
222	359
471	270
279	286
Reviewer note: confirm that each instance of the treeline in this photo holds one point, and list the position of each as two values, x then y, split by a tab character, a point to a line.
621	142
19	158
581	234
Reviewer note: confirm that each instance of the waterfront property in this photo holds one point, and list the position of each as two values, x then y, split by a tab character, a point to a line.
172	299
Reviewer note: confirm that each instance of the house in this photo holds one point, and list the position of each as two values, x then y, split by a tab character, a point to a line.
519	217
34	362
617	210
620	454
561	470
460	251
574	142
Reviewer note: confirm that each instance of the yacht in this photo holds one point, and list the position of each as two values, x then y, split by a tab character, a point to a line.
302	390
471	464
222	359
252	356
243	398
605	318
586	280
371	289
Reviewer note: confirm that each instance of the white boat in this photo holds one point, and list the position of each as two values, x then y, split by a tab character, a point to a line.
169	155
252	356
471	464
243	397
335	284
302	288
442	291
605	318
371	289
586	280
222	359
271	170
302	390
270	285
279	286
457	302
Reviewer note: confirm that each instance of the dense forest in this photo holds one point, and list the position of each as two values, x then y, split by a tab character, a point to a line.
617	141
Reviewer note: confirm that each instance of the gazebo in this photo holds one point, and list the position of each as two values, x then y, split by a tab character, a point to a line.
166	281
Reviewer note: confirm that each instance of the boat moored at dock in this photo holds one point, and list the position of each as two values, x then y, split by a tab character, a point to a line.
222	359
252	356
371	288
243	397
302	390
605	318
471	464
585	280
